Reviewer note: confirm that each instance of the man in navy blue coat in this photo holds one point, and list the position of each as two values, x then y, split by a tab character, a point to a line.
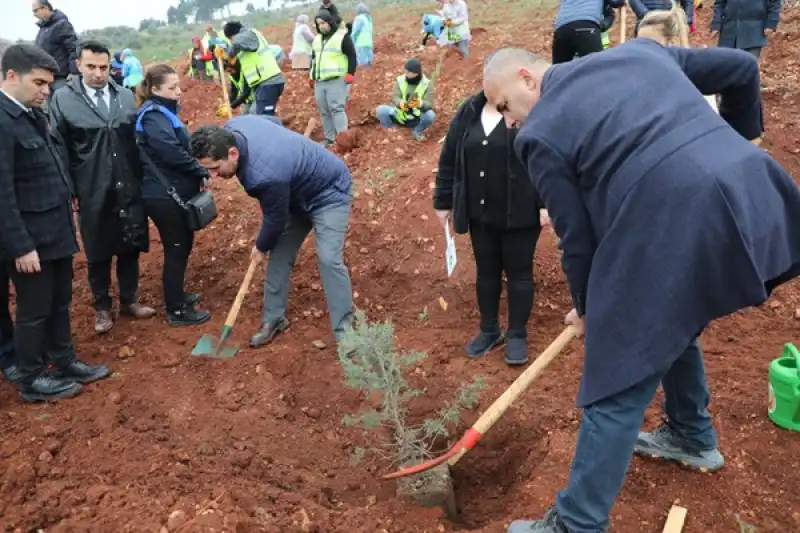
668	218
299	185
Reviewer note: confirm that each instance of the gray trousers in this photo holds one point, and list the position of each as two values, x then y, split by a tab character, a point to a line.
755	51
330	226
331	95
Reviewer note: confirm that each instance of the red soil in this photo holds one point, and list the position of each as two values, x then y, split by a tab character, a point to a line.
255	443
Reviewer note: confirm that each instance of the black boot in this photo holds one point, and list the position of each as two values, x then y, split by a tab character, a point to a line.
484	342
187	316
516	349
191	298
47	388
80	372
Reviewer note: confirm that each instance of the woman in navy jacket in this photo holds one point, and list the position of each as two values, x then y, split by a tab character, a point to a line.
164	150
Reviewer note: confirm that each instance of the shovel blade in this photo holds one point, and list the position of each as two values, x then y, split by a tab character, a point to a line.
210	346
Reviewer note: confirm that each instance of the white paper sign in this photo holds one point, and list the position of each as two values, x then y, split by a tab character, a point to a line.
450	252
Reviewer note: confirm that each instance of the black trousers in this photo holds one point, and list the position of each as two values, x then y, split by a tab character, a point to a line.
579	38
43	322
127	279
6	323
510	251
177	240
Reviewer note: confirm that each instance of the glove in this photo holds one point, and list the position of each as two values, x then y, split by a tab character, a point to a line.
219	52
693	27
349	79
403	107
223	110
413	103
448	22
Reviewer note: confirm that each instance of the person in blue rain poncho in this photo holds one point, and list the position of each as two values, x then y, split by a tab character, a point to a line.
362	35
132	71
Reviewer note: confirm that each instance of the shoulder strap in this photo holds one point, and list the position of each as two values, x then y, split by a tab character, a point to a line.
149	160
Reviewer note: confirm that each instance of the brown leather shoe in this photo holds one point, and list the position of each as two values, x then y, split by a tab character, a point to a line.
138	311
103	322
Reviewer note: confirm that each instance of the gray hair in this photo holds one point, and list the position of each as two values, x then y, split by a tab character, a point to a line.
503	58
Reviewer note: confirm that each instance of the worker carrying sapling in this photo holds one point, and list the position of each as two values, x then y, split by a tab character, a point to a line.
723	231
412	102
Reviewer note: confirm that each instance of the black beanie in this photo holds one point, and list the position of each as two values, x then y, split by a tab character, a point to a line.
414	65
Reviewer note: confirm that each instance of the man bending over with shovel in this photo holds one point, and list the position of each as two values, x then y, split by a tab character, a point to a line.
300	185
722	231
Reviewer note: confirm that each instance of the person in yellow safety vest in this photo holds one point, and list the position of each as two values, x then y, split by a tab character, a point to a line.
259	69
333	67
456	20
199	61
412	102
239	92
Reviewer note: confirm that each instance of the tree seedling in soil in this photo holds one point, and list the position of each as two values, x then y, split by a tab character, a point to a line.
744	527
372	363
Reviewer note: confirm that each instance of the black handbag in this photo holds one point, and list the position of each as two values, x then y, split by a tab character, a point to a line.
200	209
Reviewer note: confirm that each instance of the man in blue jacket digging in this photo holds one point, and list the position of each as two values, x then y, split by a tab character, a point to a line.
300	185
668	218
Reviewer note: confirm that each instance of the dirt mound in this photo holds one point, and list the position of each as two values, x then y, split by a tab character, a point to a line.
256	444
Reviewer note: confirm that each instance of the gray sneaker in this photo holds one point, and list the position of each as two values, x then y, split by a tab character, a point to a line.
663	443
551	523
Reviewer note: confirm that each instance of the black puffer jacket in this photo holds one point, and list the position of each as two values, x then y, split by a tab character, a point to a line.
57	37
451	178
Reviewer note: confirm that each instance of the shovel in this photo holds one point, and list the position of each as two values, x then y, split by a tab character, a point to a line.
496	410
209	345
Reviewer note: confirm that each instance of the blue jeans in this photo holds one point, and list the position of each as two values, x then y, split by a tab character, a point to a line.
608	433
267	97
387	115
364	55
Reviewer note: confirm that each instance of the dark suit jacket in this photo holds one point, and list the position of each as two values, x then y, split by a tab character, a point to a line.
35	190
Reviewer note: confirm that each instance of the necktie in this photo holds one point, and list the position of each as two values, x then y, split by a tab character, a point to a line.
102	107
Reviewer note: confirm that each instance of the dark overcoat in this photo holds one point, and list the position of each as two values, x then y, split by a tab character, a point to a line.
104	165
741	23
668	217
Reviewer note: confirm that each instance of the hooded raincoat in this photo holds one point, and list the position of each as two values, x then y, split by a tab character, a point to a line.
362	35
104	166
132	71
301	39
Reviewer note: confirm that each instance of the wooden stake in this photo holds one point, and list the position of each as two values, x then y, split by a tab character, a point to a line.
675	520
623	22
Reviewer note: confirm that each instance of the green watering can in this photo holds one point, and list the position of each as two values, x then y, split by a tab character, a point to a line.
784	389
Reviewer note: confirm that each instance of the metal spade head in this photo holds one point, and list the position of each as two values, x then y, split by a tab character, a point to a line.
210	346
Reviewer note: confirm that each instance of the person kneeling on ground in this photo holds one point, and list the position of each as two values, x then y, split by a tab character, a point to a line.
171	178
723	232
412	102
239	92
301	186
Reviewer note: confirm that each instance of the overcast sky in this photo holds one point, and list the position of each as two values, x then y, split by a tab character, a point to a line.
17	20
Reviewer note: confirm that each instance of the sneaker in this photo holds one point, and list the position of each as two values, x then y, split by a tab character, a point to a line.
551	523
418	136
484	343
80	372
664	444
191	298
103	322
137	311
187	316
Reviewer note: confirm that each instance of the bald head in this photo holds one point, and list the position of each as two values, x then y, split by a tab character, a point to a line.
505	60
512	78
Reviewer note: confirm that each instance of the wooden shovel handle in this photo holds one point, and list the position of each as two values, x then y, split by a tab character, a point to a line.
623	22
223	81
237	303
500	405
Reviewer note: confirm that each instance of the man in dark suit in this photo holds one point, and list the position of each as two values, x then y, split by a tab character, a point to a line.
668	218
57	37
37	230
